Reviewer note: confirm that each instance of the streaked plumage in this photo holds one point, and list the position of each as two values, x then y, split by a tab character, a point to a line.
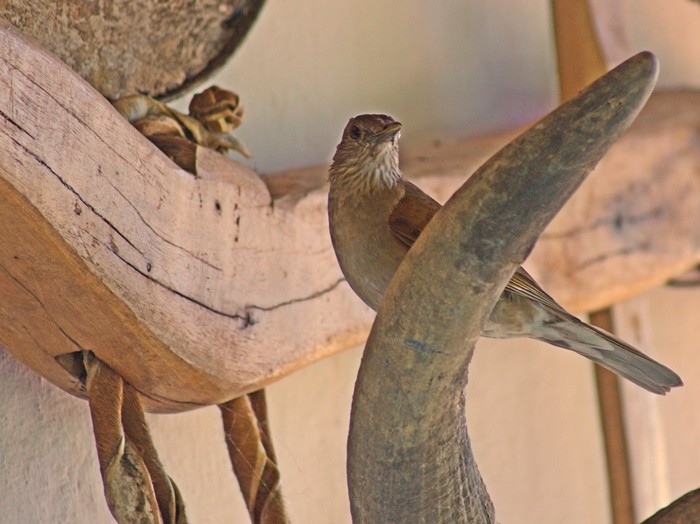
375	216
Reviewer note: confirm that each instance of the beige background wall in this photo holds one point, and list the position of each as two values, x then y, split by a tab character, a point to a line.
445	69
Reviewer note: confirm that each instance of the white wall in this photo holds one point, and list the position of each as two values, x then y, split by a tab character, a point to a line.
445	69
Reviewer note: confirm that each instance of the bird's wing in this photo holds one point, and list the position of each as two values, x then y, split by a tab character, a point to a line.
411	214
521	283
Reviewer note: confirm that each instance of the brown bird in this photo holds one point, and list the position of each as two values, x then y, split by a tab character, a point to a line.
375	216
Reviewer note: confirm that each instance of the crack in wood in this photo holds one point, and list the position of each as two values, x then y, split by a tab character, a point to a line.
156	233
574	231
104	219
302	299
621	220
76	194
69	111
16	125
246	318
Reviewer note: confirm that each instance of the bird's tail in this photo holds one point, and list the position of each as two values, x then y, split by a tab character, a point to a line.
611	352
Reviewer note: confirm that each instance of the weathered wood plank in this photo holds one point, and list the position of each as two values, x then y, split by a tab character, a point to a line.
629	228
199	289
231	288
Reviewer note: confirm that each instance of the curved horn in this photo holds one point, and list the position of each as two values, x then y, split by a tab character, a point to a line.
409	457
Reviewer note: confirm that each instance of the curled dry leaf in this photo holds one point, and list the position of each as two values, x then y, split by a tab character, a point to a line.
253	457
217	109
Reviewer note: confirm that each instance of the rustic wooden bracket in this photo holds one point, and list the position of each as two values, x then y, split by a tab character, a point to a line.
199	289
195	290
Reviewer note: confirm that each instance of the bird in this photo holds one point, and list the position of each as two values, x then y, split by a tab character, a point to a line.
375	215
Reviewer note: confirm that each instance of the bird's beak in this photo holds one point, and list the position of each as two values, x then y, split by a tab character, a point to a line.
388	133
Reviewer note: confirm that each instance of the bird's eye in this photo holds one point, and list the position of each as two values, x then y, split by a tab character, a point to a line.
355	132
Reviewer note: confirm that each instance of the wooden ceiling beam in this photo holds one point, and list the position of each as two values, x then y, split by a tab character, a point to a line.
198	289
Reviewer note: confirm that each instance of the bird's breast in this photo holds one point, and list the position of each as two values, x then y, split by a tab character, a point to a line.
367	252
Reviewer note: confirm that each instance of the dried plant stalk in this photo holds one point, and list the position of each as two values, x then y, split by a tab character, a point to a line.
253	459
137	488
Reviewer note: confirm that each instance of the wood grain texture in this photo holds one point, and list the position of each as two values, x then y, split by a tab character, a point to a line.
197	290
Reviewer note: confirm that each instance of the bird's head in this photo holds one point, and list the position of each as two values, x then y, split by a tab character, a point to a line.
367	158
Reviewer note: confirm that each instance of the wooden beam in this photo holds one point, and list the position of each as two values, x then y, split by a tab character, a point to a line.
197	290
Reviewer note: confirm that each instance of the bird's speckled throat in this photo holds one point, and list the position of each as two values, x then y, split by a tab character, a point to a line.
365	170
